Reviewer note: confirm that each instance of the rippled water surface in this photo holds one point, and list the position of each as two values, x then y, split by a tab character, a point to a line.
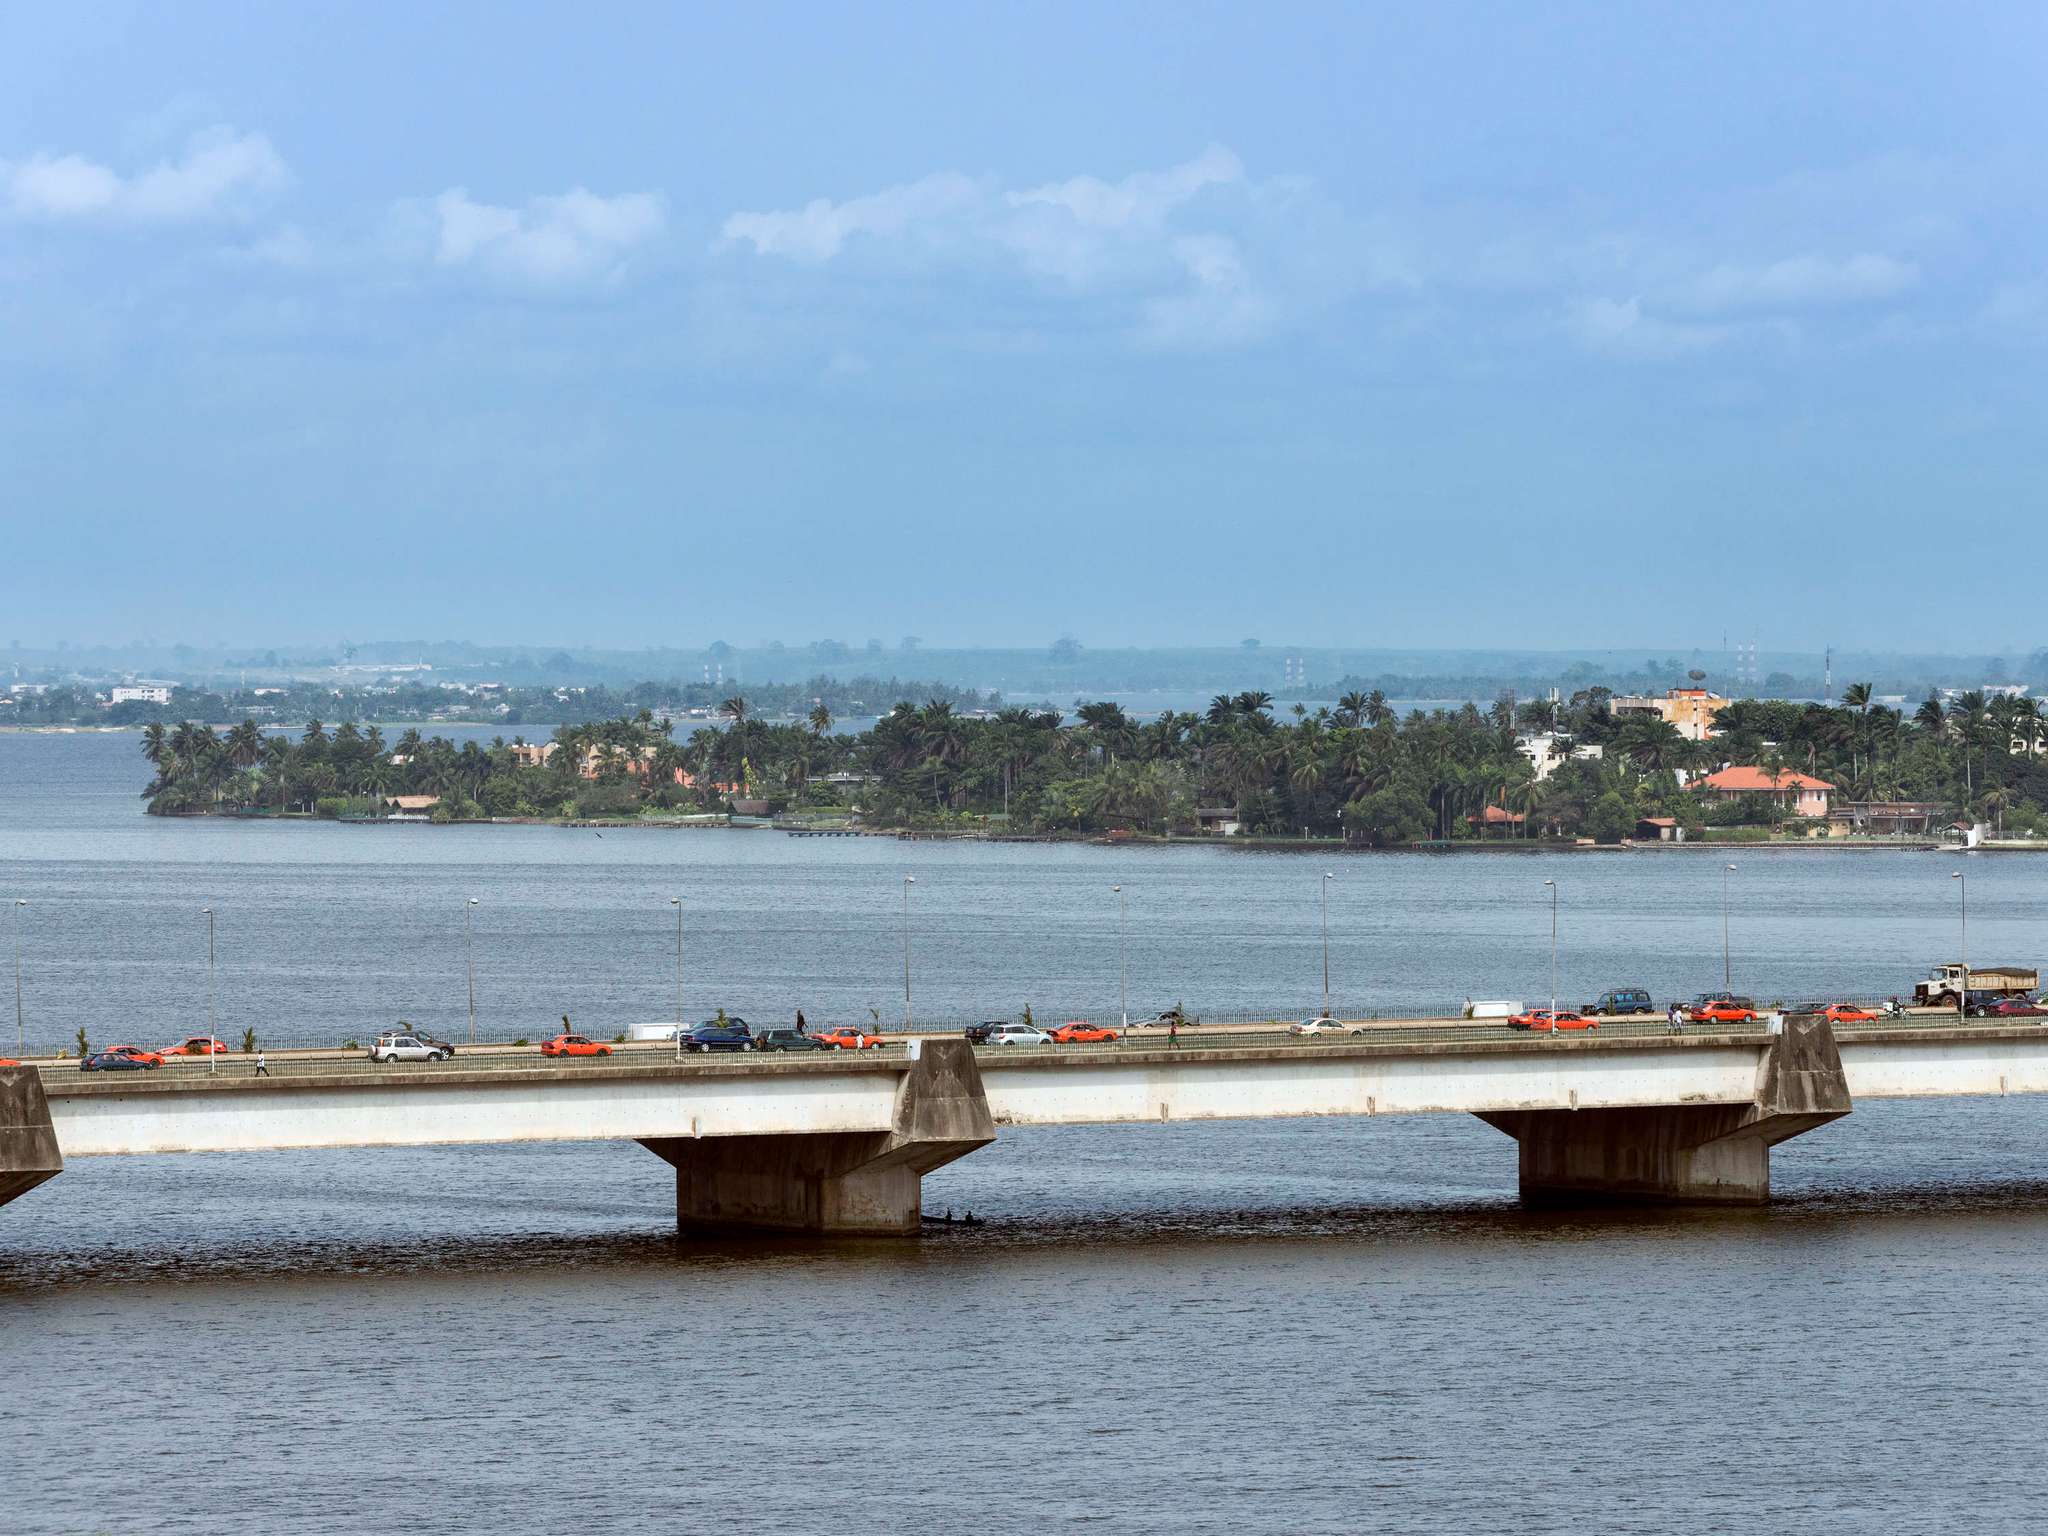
1324	1326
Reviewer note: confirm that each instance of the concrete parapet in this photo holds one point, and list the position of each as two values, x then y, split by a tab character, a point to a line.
1711	1154
842	1181
28	1141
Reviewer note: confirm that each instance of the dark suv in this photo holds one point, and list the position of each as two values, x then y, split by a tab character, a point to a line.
1623	1000
788	1040
979	1033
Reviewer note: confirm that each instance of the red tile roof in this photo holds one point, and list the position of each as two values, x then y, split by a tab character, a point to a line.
1756	778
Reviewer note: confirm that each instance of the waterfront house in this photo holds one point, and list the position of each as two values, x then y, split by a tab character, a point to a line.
1496	818
1220	819
1659	829
1912	818
1800	793
411	805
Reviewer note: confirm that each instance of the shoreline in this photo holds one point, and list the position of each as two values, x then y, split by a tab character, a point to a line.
722	822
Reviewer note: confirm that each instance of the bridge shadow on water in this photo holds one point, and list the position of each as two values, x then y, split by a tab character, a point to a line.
199	1255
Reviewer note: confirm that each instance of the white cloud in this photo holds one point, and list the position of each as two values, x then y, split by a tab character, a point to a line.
1198	254
218	172
1620	328
1798	282
1222	304
820	229
1142	200
575	237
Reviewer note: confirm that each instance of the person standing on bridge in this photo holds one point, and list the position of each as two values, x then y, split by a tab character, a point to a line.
1173	1033
1674	1021
799	1021
262	1068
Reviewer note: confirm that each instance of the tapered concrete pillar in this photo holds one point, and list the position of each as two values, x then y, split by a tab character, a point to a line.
841	1182
28	1142
1706	1154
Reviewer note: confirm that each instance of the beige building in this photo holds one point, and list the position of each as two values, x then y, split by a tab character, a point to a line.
1692	710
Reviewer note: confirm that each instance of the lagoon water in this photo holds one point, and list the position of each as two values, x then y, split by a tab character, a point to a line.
1306	1326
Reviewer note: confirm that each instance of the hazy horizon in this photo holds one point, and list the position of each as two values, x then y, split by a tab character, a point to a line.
1464	326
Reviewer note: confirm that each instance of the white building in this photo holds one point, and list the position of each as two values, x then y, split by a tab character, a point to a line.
1548	752
139	693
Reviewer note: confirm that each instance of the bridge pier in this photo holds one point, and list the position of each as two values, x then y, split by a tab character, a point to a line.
1696	1154
839	1182
28	1141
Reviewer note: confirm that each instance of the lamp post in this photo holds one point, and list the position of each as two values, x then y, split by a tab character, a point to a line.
1553	954
1963	997
908	882
1123	960
1328	876
469	953
212	1043
1727	970
20	1031
677	903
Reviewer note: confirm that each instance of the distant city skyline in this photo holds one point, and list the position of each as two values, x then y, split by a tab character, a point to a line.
1465	326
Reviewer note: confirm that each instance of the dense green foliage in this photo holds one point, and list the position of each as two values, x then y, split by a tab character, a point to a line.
1355	771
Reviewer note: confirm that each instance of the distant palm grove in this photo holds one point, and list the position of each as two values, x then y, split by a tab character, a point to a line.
1355	771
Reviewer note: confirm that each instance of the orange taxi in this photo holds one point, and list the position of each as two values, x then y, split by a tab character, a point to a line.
147	1058
1847	1013
574	1045
1079	1032
850	1037
1542	1020
195	1045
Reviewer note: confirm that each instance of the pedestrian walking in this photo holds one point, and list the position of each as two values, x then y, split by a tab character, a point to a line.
800	1021
1173	1033
262	1068
1674	1021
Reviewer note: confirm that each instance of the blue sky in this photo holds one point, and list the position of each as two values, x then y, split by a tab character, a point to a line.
1584	325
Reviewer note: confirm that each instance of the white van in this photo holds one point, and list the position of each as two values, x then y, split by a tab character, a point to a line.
1497	1009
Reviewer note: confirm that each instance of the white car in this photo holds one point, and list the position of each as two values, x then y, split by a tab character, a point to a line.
408	1048
1321	1025
1018	1034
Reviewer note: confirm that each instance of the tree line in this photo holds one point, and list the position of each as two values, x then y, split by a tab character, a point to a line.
1355	771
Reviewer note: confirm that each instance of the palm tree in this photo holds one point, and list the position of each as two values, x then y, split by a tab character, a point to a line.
821	718
153	741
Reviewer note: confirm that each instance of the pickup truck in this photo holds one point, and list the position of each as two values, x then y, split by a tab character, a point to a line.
1944	984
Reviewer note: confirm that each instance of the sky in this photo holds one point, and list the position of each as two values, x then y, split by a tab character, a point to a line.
1560	325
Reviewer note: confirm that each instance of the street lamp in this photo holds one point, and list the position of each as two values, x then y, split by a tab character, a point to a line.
212	1044
908	882
1123	958
20	1034
1963	998
1727	971
1553	954
677	903
469	951
1328	876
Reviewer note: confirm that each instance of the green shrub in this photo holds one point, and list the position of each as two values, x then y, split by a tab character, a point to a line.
84	1046
522	1040
248	1042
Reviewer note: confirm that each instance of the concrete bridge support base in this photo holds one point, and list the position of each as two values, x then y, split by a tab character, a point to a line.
28	1142
1699	1154
840	1182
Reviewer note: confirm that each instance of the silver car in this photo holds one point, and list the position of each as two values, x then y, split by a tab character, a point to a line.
408	1048
1018	1034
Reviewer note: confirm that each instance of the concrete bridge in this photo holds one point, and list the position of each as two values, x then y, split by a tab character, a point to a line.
841	1143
